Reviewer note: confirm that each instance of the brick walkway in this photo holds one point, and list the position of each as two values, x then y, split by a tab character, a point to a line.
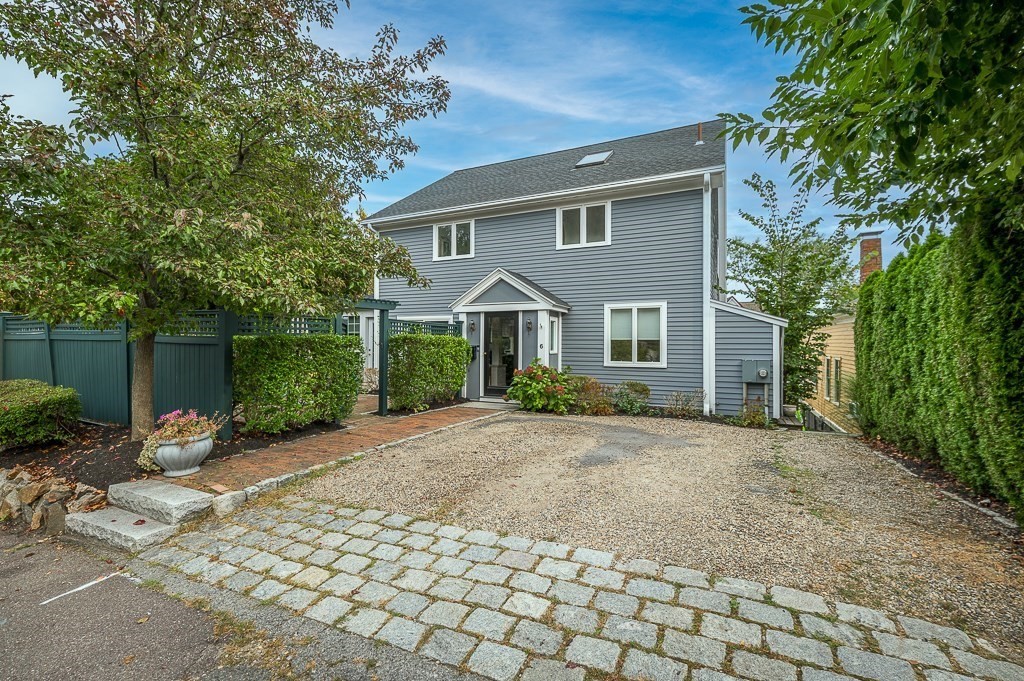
364	432
516	608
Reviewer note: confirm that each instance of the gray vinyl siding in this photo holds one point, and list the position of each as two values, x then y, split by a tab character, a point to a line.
654	255
738	338
472	327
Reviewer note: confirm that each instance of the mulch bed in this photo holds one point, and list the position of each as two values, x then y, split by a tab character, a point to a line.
104	455
932	472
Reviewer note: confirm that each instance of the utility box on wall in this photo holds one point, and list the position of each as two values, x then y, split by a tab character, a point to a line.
757	371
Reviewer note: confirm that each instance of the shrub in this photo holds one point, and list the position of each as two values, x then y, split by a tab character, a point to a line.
541	388
752	415
592	398
285	381
686	404
425	369
632	398
32	412
939	339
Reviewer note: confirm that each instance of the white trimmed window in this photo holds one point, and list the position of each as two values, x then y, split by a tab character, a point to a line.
635	334
580	226
454	240
553	330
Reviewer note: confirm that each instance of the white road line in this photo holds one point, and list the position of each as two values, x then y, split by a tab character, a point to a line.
80	588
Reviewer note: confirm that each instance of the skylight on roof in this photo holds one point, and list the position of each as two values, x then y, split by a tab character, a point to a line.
593	159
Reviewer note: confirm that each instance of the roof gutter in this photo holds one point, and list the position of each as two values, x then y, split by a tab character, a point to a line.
652	181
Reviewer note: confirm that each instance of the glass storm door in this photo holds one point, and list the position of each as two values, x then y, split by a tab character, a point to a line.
500	351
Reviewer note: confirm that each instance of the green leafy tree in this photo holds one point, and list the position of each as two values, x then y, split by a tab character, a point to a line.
909	112
235	143
794	272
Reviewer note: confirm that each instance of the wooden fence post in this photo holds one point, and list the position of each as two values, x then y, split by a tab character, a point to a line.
3	318
228	329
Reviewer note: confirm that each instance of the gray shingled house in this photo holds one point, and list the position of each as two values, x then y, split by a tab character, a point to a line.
608	258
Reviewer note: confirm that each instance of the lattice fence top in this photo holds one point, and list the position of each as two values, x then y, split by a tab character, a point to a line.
296	326
20	326
433	328
201	323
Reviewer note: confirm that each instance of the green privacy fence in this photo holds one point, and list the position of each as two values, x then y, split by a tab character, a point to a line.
192	364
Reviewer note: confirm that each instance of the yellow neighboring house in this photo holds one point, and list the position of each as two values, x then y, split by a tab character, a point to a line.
832	406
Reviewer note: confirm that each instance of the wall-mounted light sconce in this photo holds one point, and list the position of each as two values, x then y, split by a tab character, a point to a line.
472	326
529	325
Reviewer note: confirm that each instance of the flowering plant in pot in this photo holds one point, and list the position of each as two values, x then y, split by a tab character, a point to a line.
181	441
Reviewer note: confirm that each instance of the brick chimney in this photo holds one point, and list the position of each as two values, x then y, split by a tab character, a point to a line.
870	254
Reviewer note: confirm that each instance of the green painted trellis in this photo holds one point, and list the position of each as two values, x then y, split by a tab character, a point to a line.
192	364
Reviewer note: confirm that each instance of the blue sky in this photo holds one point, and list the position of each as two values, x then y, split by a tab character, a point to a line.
531	77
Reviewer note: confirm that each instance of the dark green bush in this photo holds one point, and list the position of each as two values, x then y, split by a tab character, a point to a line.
632	398
424	369
940	355
284	381
32	412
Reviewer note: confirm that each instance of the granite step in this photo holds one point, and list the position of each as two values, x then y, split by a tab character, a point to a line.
120	528
163	501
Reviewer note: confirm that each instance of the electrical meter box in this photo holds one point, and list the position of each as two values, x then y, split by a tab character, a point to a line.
757	371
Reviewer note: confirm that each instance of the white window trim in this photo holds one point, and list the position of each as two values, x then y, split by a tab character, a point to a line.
663	307
555	335
583	225
472	240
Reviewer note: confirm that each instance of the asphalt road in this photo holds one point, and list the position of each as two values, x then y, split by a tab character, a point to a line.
116	629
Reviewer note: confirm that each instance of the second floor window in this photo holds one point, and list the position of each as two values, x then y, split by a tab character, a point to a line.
454	240
584	226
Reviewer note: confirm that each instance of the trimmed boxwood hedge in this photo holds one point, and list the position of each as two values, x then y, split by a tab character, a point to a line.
33	412
940	355
424	369
285	381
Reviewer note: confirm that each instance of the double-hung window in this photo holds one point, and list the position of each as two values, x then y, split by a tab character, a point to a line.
588	225
837	380
453	240
635	334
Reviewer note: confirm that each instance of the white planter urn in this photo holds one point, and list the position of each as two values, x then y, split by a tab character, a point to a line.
178	460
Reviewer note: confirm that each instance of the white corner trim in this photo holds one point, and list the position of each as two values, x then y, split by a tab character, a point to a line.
707	313
582	207
711	396
744	312
542	302
777	371
453	225
662	306
652	180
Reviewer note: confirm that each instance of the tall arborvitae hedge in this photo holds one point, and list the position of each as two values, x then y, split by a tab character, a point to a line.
940	355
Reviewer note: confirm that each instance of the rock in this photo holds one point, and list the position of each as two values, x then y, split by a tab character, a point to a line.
53	517
58	493
226	504
83	502
10	507
23	476
32	491
3	471
37	520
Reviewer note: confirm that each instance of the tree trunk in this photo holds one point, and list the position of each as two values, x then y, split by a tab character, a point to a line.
142	388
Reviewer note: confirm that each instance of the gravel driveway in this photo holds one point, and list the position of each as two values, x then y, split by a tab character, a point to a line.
813	511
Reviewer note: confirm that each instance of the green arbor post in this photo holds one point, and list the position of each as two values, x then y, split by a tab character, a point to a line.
382	371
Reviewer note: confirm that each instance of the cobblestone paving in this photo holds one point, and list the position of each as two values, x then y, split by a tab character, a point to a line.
508	607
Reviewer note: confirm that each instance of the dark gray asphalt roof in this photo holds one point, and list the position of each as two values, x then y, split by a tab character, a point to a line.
656	153
538	287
